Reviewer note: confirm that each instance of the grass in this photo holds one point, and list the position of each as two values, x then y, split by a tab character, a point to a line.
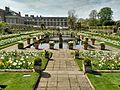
7	45
79	62
17	81
106	81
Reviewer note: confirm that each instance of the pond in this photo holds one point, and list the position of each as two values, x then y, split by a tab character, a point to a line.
66	38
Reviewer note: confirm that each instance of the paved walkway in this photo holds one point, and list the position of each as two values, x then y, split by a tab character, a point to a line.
62	73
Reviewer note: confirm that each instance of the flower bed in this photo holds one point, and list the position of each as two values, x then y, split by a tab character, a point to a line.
19	60
102	60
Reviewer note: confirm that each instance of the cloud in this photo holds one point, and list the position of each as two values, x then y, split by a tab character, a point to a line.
61	7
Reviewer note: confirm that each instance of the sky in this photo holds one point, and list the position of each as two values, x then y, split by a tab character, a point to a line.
61	7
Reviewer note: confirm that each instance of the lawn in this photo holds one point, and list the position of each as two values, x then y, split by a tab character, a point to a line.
79	62
105	81
17	81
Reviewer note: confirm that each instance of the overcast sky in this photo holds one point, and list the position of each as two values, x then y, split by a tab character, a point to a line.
61	7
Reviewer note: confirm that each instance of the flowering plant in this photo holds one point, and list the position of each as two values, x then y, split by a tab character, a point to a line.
18	60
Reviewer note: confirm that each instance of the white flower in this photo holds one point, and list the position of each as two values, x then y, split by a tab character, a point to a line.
20	63
22	59
14	63
100	65
2	57
115	61
27	57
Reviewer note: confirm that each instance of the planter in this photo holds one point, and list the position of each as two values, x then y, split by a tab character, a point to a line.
51	44
102	44
85	45
76	54
87	65
38	37
36	44
48	54
34	39
93	41
70	44
20	45
28	40
72	34
82	36
37	65
86	39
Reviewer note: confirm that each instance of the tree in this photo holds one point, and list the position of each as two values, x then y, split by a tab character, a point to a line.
72	18
78	25
93	18
93	14
105	14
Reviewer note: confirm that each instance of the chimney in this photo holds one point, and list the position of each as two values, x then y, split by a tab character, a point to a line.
19	13
7	9
32	16
26	15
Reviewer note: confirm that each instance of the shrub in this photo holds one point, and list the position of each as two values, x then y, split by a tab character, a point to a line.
20	45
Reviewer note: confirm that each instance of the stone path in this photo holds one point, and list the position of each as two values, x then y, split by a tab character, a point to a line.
62	73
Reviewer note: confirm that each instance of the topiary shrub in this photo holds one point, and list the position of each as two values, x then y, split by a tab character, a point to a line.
28	40
85	45
93	41
20	45
70	44
48	54
87	65
37	64
102	44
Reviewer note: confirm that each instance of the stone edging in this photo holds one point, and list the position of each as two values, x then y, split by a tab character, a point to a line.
108	71
89	82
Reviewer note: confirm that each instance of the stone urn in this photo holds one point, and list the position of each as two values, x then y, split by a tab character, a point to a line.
51	44
20	45
37	64
85	45
28	40
93	41
86	39
34	39
48	54
70	44
76	54
36	44
87	65
102	45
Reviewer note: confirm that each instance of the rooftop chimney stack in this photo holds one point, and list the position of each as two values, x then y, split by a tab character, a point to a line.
7	9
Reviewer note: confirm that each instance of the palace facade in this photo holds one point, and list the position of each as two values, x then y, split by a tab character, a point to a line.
13	17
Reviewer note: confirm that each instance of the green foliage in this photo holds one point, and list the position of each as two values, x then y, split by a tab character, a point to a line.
37	61
108	23
76	54
48	54
3	24
105	14
87	61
